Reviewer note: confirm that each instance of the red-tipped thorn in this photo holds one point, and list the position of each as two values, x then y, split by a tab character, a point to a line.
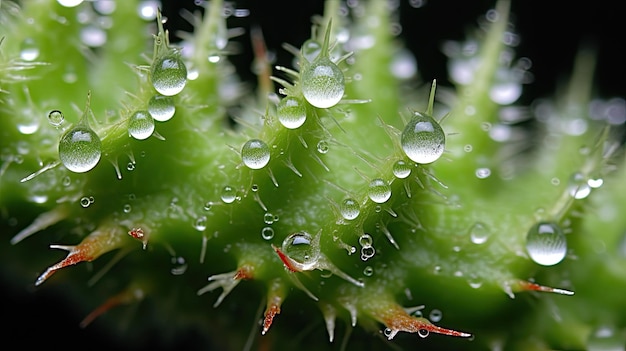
288	262
276	295
124	297
271	311
397	319
522	285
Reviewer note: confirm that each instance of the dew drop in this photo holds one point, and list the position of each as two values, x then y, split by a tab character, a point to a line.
255	154
127	208
311	49
161	107
349	209
379	191
140	125
578	187
322	83
482	173
291	112
322	146
229	194
268	218
299	247
84	202
169	74
546	243
80	149
56	118
479	233
401	169
368	271
423	139
179	265
29	51
435	315
605	338
423	333
200	223
267	233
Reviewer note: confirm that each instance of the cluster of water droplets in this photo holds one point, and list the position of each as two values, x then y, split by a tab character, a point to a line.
367	246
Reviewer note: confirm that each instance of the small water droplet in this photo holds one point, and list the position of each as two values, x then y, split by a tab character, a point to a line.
435	315
127	208
169	74
267	233
66	181
56	118
423	333
423	139
70	3
200	223
368	271
606	338
130	166
229	194
322	146
291	112
255	154
268	218
546	243
349	209
140	125
80	149
578	186
479	233
379	191
299	247
161	107
208	205
482	173
84	201
366	240
29	51
179	265
311	49
401	169
323	83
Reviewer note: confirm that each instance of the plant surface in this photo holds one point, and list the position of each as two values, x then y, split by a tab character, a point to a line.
342	204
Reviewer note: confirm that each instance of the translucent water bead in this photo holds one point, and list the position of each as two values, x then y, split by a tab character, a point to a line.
291	112
169	74
80	149
311	49
140	125
323	83
300	248
255	154
161	107
423	139
546	243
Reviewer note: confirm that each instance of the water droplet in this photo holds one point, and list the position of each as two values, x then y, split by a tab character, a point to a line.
200	223
70	3
379	191
322	83
322	146
423	333
130	166
179	265
368	271
93	36
161	107
311	49
299	247
147	9
56	118
66	181
127	208
605	338
546	243
267	233
255	154
229	194
479	233
84	201
140	125
349	209
80	149
366	240
578	187
207	206
291	112
435	315
29	51
401	169
423	139
482	173
268	218
169	74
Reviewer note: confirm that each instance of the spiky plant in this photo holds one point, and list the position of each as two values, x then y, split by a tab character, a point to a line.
355	204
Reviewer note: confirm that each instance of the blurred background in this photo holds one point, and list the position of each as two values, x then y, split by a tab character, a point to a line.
550	33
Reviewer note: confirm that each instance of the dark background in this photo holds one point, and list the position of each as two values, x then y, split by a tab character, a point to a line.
551	33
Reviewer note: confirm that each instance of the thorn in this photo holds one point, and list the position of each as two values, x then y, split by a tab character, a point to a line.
275	297
522	285
227	281
287	261
126	296
93	246
330	315
42	222
140	235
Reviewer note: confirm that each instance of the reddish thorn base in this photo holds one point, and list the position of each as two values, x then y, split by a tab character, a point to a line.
286	260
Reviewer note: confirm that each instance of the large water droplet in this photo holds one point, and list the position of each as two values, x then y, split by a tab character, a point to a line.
291	112
169	74
379	191
546	243
161	108
255	154
349	209
80	149
322	83
140	125
229	194
299	247
423	139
